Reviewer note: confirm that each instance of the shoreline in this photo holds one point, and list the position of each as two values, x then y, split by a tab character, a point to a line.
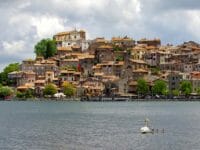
107	99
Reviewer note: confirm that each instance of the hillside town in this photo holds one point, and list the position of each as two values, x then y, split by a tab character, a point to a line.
110	67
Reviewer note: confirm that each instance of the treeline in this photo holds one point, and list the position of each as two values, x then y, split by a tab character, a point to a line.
160	87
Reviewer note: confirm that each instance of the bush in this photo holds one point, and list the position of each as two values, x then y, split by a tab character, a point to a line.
20	94
68	89
175	92
27	94
50	89
186	87
5	92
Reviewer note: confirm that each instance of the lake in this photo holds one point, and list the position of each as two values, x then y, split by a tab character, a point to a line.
57	125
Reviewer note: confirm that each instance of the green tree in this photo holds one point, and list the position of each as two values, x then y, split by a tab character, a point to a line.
175	92
68	89
20	94
186	87
142	86
50	89
160	87
198	90
5	92
29	93
45	48
4	75
26	94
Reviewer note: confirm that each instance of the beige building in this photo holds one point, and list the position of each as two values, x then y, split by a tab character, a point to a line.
71	38
22	77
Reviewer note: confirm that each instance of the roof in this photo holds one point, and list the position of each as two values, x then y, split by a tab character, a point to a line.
76	47
100	40
111	77
140	70
48	62
68	48
116	39
62	33
134	83
22	87
14	72
67	71
29	72
138	61
119	63
85	55
152	40
29	60
40	81
96	67
67	32
26	86
105	47
70	60
49	72
26	72
98	74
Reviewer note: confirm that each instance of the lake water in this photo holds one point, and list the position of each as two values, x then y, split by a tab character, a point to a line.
54	125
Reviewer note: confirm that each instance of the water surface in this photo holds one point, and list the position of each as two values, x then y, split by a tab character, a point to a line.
53	125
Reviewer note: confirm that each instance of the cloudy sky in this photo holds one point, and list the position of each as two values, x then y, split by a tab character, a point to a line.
24	22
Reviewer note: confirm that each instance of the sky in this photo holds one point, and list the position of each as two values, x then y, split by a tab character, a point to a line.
25	22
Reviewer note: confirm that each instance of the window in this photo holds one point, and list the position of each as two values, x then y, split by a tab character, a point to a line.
75	36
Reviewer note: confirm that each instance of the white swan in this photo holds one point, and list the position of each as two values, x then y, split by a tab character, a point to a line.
146	128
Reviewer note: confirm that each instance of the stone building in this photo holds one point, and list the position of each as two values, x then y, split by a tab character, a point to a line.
71	38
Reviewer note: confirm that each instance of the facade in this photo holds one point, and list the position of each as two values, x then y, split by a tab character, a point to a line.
41	68
92	87
39	87
174	79
124	42
72	38
150	42
69	75
22	78
27	65
104	53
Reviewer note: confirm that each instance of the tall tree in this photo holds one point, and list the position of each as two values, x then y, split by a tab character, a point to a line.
45	48
160	87
142	86
186	87
4	75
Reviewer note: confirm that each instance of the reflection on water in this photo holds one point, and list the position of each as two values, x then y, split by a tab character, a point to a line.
96	125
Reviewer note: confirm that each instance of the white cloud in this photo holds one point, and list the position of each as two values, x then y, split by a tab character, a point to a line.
13	47
47	25
193	22
25	4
